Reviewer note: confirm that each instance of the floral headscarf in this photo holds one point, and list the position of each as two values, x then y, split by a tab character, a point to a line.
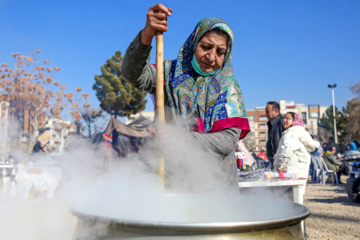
298	121
217	99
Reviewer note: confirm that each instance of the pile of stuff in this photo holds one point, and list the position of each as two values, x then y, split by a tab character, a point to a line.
279	176
261	175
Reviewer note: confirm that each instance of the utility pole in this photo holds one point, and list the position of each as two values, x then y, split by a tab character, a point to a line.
333	100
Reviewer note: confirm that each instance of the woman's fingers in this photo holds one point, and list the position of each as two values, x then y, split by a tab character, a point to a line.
157	17
161	8
156	21
151	130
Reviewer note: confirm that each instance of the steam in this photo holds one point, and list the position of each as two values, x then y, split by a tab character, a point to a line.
129	188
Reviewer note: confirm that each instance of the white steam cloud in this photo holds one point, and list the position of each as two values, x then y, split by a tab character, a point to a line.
128	188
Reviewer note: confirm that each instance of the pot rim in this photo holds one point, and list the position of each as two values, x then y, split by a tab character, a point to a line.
183	228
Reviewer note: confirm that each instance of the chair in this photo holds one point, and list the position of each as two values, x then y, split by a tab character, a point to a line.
317	169
325	171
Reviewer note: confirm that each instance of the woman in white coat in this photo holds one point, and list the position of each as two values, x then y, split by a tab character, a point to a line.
293	154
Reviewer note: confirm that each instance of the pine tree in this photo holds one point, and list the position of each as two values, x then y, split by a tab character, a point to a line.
327	123
116	95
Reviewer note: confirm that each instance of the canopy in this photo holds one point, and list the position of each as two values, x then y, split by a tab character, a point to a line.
125	139
129	130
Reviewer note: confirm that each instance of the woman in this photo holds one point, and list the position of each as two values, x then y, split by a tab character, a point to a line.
199	85
293	154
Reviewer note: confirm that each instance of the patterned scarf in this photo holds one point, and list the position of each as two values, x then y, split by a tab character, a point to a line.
298	121
217	99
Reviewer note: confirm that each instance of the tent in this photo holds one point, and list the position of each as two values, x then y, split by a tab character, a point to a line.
124	139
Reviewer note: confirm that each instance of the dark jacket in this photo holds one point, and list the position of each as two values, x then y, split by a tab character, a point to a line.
342	148
330	145
37	147
274	134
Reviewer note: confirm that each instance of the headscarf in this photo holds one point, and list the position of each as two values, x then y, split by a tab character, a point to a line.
327	153
298	121
217	99
352	146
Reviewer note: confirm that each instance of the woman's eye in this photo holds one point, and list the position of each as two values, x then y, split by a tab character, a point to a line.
205	47
221	52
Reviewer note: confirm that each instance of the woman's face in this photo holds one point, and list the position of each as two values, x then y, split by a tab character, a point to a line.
210	51
333	150
288	121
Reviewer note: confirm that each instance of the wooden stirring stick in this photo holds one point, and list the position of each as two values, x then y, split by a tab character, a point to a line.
160	93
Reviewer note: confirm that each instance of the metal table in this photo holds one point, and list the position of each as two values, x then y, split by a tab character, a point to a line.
298	187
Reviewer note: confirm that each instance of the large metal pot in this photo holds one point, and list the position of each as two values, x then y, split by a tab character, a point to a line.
279	228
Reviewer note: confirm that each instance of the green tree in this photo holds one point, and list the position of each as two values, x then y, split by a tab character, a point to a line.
327	124
116	95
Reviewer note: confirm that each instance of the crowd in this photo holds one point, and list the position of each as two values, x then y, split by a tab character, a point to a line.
333	153
289	145
289	148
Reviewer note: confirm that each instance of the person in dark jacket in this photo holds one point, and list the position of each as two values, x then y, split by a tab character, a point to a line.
41	142
342	147
330	144
275	129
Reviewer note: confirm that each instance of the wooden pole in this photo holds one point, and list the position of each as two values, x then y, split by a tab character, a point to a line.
160	93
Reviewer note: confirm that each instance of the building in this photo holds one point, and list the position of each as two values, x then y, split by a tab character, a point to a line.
4	130
257	138
310	114
60	130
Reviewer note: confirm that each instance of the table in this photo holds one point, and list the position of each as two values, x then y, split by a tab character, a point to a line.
298	187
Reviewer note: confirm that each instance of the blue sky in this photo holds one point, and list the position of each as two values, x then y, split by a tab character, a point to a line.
283	49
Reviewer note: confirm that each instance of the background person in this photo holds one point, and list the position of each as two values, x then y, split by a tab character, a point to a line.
293	154
330	145
331	163
275	129
262	155
41	142
342	147
199	84
352	149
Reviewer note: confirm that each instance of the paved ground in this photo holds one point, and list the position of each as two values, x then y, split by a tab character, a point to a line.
333	215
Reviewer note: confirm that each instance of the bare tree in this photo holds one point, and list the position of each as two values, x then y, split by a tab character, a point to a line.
353	113
30	88
93	120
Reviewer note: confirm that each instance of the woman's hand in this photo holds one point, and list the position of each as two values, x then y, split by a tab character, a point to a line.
151	130
156	21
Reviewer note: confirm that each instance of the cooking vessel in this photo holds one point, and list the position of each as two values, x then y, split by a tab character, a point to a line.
287	226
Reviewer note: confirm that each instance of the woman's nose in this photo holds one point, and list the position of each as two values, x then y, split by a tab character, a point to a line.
212	54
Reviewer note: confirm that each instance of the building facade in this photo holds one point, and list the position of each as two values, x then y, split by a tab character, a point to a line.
60	131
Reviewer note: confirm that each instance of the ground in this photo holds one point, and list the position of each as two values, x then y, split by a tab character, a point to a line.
333	215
